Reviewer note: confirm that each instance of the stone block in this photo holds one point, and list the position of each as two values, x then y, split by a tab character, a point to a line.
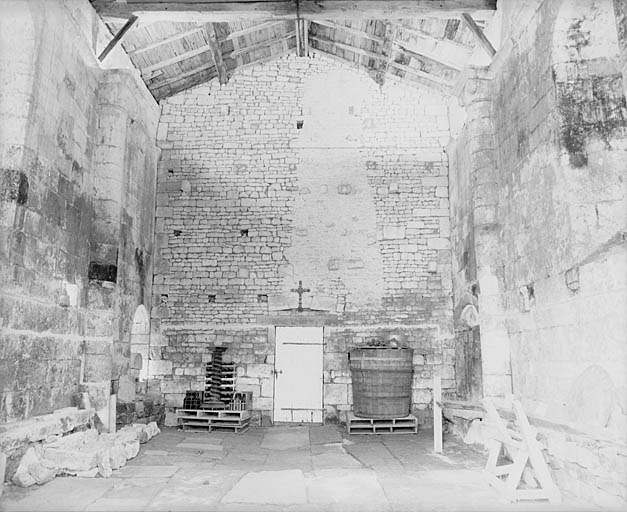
438	243
393	232
159	367
126	389
421	396
175	386
259	370
335	394
267	387
262	404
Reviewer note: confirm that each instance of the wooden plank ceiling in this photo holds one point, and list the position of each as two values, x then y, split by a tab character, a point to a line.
177	45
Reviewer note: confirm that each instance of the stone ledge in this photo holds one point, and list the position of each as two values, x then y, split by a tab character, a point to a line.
19	433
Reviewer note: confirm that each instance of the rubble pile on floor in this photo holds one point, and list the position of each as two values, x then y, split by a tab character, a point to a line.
85	454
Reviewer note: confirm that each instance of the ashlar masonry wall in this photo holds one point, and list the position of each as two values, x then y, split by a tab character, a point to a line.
547	127
301	169
77	181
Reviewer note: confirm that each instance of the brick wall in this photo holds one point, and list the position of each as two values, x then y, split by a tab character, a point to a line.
69	184
300	169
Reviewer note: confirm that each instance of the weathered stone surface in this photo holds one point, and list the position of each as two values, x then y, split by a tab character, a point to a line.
63	211
280	487
3	468
41	427
365	258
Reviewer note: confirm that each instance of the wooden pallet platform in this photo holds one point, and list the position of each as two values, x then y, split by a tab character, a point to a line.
209	420
406	425
216	428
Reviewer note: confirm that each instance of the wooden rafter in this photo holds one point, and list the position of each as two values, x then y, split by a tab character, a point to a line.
215	11
426	56
387	51
182	76
166	40
216	53
148	70
253	28
371	55
449	46
117	38
349	30
268	43
422	53
478	33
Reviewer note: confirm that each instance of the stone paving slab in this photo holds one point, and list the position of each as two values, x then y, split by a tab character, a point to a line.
155	452
286	438
347	489
292	477
145	472
324	434
289	459
206	440
117	505
135	489
199	488
339	460
63	493
199	446
272	487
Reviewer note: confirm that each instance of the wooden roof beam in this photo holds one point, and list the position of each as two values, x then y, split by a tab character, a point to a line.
348	30
387	50
223	11
148	70
254	28
166	40
216	53
478	33
268	43
117	38
365	53
427	56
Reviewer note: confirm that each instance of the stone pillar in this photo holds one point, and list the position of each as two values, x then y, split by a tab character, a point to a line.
475	95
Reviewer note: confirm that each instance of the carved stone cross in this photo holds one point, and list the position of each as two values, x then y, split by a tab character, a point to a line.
300	290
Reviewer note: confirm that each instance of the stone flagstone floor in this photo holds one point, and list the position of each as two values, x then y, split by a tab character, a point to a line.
295	468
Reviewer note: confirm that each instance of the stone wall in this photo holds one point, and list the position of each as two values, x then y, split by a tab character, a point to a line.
77	175
557	244
300	169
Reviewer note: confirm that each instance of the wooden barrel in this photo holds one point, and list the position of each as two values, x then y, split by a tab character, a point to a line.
381	382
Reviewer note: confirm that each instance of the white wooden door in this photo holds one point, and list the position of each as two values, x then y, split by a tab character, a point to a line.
298	375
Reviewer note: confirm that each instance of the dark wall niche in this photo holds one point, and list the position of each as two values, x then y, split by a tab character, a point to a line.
299	124
243	232
262	298
22	189
140	263
177	232
102	272
13	186
590	108
211	298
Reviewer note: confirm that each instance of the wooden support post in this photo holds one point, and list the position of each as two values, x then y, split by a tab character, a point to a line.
216	52
117	38
306	38
437	413
299	37
481	37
